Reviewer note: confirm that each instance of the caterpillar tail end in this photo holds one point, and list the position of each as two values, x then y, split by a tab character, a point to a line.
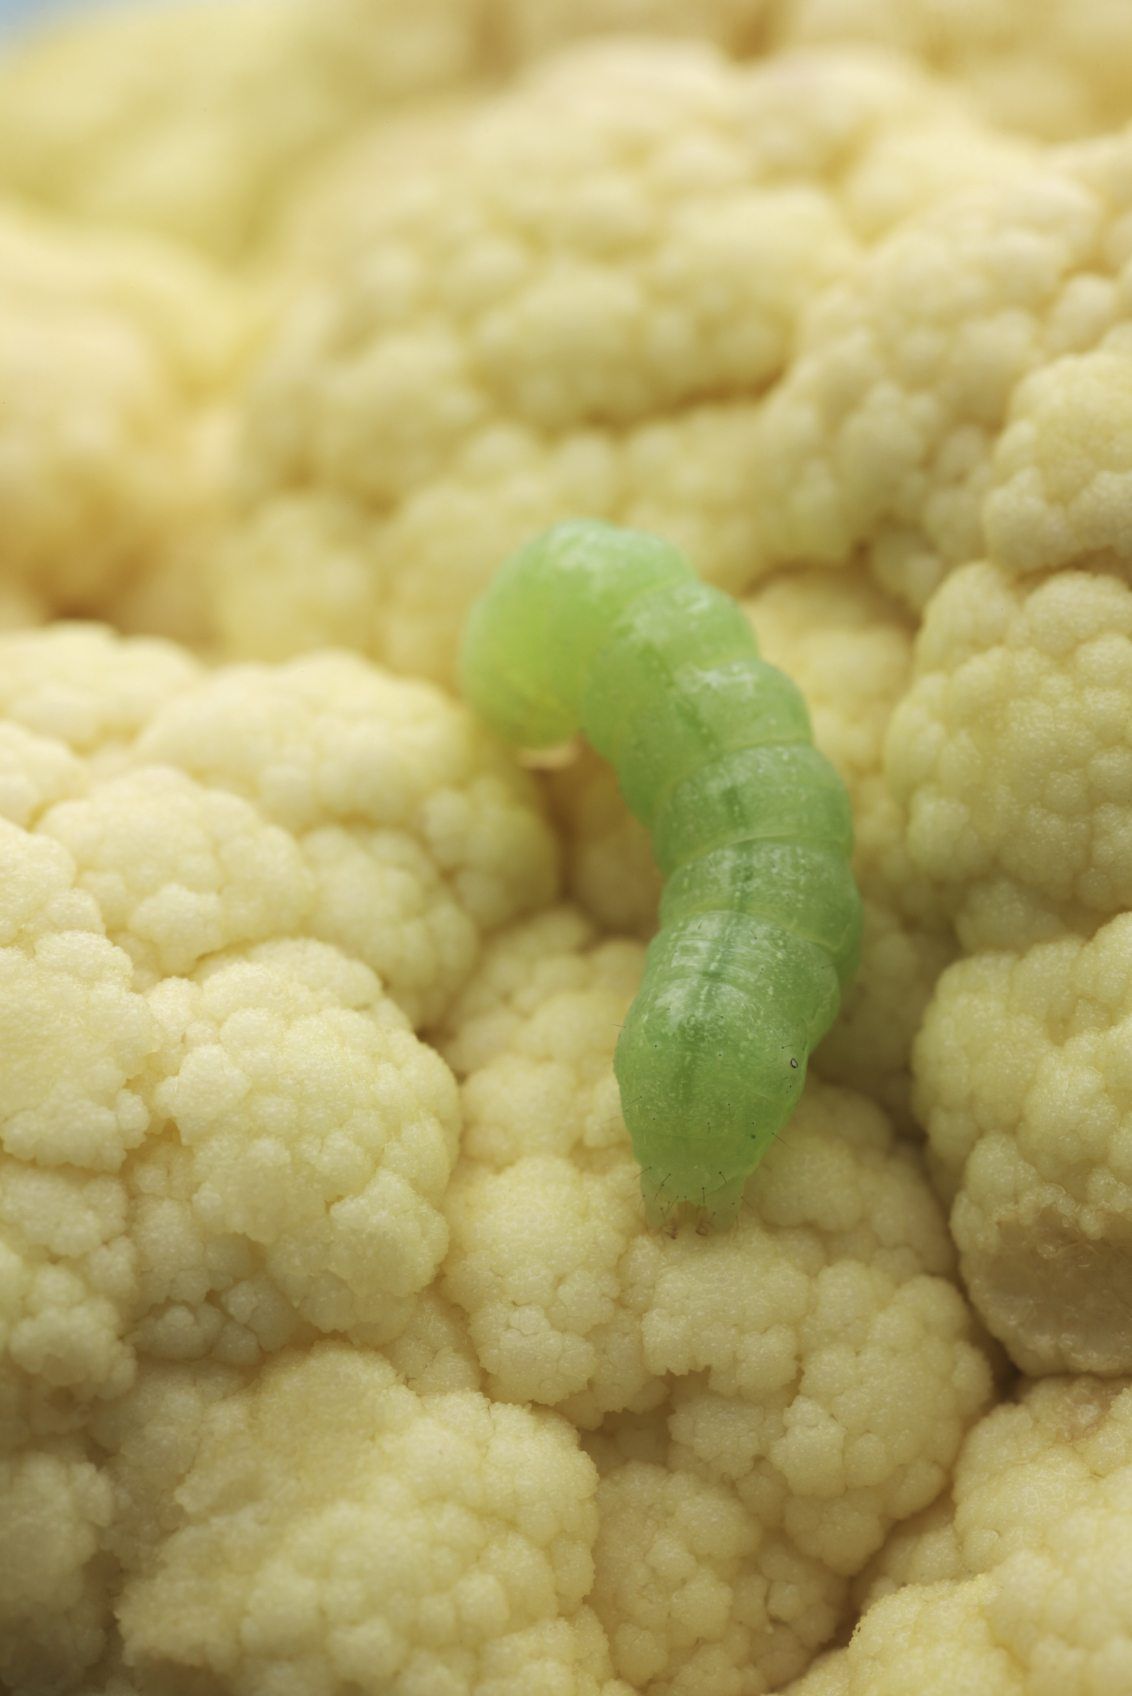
713	1209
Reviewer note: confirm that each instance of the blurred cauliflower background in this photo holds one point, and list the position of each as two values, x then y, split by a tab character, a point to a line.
335	1356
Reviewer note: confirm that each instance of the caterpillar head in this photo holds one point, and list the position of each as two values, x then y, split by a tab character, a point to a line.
704	1091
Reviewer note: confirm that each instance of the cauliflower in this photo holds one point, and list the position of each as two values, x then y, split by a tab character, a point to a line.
220	1137
1055	68
575	303
427	1542
1011	756
526	29
924	419
765	1403
1019	1583
1022	1084
116	360
194	119
337	1356
850	651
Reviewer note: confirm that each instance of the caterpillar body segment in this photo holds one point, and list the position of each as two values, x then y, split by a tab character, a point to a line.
609	632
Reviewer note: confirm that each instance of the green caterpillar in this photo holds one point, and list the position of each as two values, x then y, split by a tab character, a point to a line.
610	631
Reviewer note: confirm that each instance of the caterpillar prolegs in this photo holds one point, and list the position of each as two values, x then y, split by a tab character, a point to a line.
609	631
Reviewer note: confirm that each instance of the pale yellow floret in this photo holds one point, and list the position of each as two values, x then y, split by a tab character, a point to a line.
1020	1582
336	1356
1053	68
610	870
573	301
923	419
427	1542
195	119
416	830
1024	1087
1050	68
1062	486
55	1506
806	1377
526	29
117	357
78	687
219	1136
1011	754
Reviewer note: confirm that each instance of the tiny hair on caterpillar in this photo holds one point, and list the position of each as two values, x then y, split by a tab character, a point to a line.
609	631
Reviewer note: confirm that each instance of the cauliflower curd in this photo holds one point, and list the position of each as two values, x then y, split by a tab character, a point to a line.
337	1355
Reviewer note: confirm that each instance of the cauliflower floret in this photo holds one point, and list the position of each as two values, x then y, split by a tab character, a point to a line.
924	416
525	29
1061	483
1020	1582
116	356
687	1597
1023	1084
881	138
194	119
417	832
54	1506
1011	754
219	1136
609	867
573	302
1052	68
850	651
78	690
425	1542
1055	68
808	1375
151	1437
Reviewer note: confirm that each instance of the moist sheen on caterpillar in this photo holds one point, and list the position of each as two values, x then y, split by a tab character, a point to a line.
610	632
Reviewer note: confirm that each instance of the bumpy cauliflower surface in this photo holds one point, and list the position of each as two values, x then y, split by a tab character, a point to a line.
220	1136
336	1357
526	29
1012	753
1009	755
1018	1584
575	303
1054	68
1023	1085
925	416
766	1403
425	1542
193	119
117	360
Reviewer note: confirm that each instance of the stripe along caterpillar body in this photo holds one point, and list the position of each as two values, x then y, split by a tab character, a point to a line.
609	631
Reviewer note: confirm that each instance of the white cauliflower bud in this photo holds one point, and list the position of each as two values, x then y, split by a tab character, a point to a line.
1019	1582
1050	68
1054	68
219	1135
1011	754
573	300
195	119
54	1508
1022	1083
924	418
426	1542
117	357
808	1375
526	29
